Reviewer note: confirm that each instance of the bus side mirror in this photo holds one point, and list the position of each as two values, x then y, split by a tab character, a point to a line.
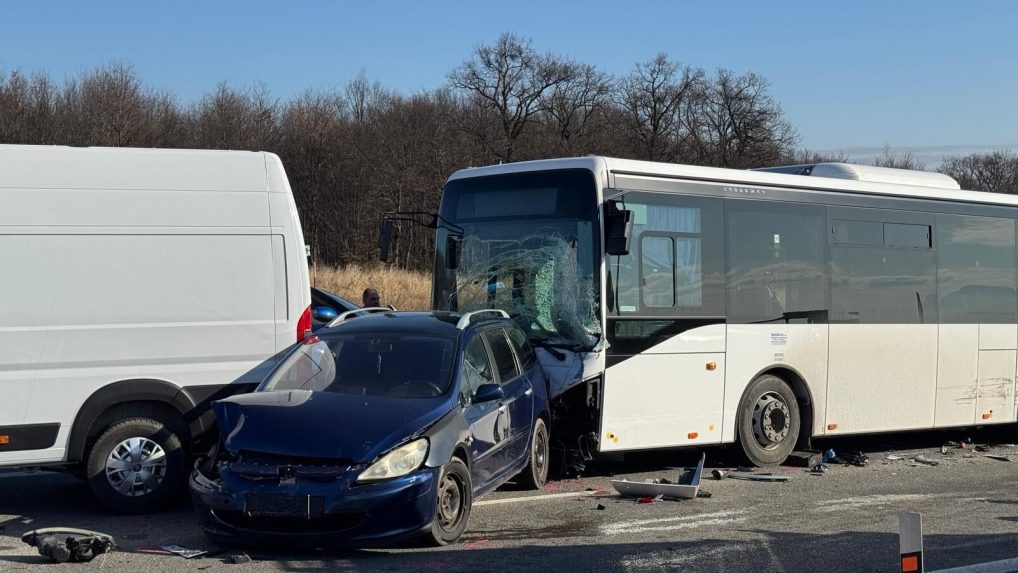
384	240
618	230
452	248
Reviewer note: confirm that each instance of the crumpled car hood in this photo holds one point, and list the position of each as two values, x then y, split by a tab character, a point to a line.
323	424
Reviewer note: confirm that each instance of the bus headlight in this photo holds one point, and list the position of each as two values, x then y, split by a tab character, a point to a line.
398	462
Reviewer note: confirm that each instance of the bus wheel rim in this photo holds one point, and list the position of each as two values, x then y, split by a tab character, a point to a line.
771	420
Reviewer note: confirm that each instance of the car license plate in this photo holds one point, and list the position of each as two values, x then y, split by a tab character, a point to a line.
271	504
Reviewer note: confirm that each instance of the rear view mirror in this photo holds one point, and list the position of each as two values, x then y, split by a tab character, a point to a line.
488	393
618	229
384	240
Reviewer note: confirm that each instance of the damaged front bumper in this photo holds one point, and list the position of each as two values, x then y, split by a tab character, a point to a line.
313	508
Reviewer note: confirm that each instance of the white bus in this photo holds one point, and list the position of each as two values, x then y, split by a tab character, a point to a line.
687	306
137	286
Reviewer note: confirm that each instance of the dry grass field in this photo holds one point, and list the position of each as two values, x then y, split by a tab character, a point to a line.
405	290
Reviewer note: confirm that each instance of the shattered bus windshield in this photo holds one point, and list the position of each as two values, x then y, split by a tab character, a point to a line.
529	246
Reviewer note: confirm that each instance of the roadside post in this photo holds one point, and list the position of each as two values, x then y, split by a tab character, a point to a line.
910	541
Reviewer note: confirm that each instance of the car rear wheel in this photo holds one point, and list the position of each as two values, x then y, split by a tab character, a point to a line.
535	475
454	500
136	466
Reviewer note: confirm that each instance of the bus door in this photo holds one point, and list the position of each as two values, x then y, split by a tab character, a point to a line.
664	376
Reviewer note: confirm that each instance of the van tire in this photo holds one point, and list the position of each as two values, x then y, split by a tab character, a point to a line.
143	458
769	421
535	475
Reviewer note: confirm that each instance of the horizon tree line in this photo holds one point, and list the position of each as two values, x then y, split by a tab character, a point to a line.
354	153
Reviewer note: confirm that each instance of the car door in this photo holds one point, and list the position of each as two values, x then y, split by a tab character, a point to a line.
518	401
486	439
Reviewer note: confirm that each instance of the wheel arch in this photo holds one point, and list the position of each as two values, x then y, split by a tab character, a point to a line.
151	396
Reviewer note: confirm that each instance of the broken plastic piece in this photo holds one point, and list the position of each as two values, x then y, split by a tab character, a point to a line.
919	458
894	458
183	552
64	545
999	458
239	558
600	507
688	486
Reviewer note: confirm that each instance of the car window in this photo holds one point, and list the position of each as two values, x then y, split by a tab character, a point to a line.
522	347
476	368
368	364
505	362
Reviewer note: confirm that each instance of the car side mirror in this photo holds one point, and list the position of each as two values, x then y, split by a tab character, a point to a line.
324	314
488	393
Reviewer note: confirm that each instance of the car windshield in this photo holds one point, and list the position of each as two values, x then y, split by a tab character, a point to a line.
397	365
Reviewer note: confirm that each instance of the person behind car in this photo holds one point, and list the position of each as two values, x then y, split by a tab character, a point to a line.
370	298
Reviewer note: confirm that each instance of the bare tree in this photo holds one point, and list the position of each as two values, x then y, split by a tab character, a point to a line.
996	171
736	123
572	104
898	160
507	82
652	101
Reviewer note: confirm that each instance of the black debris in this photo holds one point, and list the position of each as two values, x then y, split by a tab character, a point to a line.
239	558
999	458
804	459
704	494
600	507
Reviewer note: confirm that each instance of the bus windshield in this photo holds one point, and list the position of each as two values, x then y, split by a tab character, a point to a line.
530	246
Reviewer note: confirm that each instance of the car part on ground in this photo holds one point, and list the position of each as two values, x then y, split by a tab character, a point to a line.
62	545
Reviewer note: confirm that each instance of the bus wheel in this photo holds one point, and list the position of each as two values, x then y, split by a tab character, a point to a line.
768	421
136	466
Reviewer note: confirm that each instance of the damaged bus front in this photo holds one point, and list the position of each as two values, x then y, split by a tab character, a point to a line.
530	243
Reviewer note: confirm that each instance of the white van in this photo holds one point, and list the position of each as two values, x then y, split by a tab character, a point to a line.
136	286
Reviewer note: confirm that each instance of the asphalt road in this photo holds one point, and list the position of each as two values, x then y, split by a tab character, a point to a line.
845	520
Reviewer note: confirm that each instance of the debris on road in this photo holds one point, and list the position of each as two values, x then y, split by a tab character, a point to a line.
64	545
921	459
819	469
853	458
759	477
998	458
894	457
183	551
718	474
804	459
239	558
600	507
687	487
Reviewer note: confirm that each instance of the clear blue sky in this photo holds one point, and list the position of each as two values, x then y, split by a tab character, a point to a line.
857	74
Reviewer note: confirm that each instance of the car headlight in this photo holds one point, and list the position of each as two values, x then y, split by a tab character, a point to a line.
398	462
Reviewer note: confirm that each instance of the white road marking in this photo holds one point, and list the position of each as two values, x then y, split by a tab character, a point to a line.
870	500
533	498
673	523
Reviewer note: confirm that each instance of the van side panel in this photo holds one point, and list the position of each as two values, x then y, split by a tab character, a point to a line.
293	258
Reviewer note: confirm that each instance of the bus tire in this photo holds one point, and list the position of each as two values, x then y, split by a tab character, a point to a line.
136	466
769	421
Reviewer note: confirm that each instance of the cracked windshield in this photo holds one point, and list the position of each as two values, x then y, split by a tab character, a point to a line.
527	247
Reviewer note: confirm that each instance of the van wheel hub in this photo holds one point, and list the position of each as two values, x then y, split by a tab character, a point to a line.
136	466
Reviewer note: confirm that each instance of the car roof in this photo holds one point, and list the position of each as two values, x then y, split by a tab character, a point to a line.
434	323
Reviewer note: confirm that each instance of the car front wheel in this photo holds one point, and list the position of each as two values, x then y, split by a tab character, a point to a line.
454	500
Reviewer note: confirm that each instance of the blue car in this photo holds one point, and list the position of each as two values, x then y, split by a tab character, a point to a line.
383	427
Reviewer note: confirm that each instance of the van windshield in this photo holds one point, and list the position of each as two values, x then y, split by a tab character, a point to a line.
395	365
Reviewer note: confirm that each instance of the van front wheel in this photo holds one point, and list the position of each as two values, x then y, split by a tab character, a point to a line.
136	466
